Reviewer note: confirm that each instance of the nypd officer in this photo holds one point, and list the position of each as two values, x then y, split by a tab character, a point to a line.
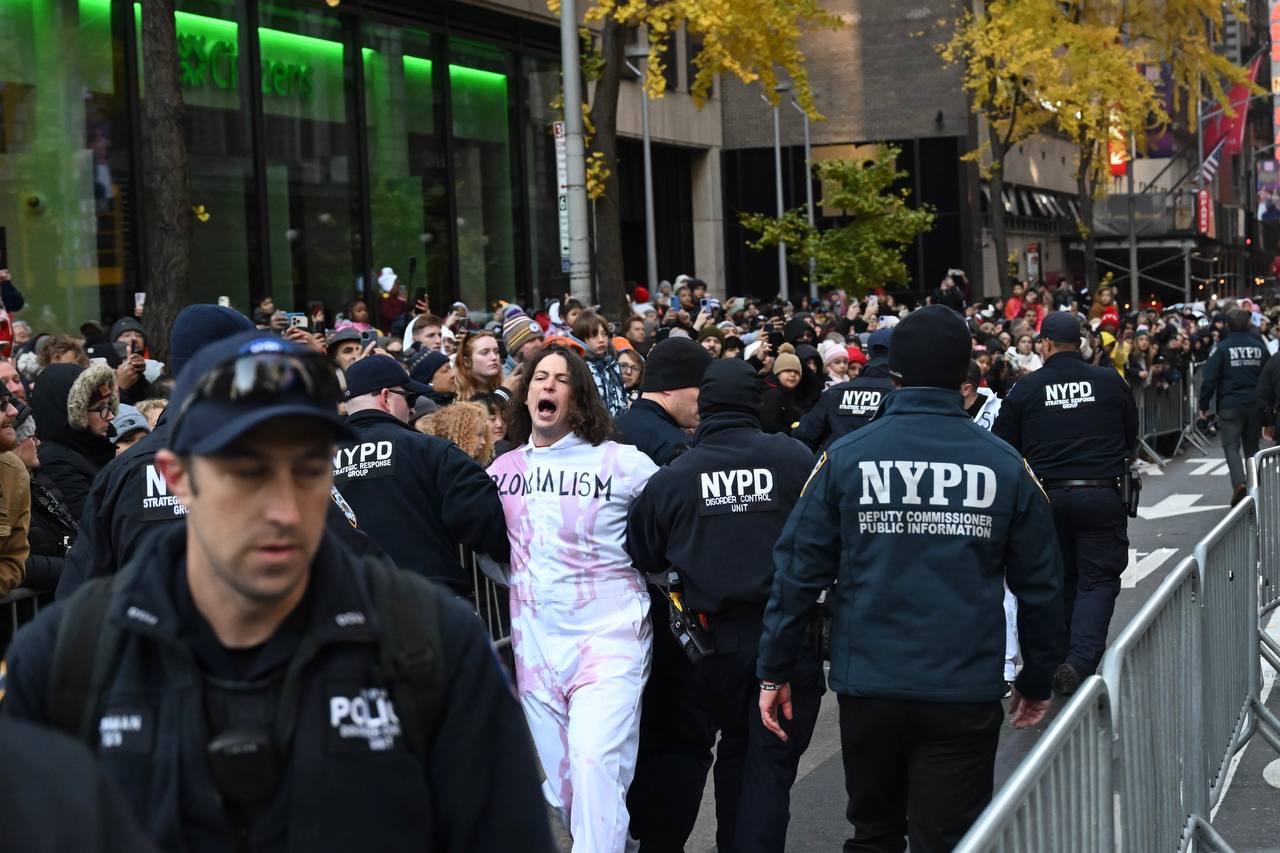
918	517
712	516
418	496
248	682
846	406
1077	425
1232	376
128	501
659	422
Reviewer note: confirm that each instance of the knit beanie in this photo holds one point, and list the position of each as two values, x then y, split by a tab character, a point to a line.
425	364
518	329
786	360
931	348
830	351
675	363
856	355
199	325
729	385
711	332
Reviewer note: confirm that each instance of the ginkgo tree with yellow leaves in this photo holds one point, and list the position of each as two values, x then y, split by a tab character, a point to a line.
754	40
1075	67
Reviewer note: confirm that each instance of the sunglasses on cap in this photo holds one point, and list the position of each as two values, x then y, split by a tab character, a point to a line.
265	377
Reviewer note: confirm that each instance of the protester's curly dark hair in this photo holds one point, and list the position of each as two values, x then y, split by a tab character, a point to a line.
588	417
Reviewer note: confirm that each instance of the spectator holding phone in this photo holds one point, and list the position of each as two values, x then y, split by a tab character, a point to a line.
130	341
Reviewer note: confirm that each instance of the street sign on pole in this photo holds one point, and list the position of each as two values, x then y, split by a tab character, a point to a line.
562	193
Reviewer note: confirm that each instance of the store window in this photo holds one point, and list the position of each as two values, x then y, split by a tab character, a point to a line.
64	165
213	51
479	85
312	180
542	86
408	178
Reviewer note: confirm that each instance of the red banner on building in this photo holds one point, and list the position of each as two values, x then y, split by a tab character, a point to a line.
1204	213
1231	127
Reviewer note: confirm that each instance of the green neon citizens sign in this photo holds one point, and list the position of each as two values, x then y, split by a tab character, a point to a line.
216	63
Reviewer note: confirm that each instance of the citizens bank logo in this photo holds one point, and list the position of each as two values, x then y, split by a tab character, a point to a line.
367	716
1068	395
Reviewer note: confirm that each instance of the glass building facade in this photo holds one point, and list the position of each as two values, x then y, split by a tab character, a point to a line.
323	145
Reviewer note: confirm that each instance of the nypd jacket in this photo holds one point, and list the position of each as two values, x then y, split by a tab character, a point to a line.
919	517
129	501
419	497
348	780
844	407
1233	370
1071	420
648	426
715	513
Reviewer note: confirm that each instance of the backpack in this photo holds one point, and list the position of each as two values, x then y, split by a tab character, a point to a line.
410	656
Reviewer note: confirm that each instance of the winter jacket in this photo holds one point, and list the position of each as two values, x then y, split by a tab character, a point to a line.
715	513
648	426
845	407
70	455
1233	370
347	779
608	376
419	497
920	517
1071	420
15	519
53	530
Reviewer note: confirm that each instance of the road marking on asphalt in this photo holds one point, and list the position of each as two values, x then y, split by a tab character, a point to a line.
1268	682
1140	568
1208	467
1175	505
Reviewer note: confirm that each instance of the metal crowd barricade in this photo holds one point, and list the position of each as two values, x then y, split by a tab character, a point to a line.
1193	379
1163	411
1060	797
17	609
1264	486
491	602
1153	681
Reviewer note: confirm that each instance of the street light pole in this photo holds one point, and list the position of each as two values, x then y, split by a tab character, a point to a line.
808	194
1133	227
639	53
575	156
783	290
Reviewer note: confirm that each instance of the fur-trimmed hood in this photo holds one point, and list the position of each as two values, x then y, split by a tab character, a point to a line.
94	377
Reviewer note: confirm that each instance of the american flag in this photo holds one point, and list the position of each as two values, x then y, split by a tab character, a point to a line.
1209	167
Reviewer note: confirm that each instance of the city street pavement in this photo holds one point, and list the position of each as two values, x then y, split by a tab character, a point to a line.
1179	506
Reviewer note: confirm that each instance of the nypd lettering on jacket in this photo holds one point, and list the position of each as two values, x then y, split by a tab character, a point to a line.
158	504
368	715
555	481
859	403
736	490
1068	395
949	490
1244	356
366	460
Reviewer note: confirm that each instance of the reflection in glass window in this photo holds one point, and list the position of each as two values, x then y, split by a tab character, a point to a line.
479	78
313	212
64	164
408	185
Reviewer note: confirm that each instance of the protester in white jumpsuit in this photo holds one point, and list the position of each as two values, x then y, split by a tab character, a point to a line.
579	630
986	417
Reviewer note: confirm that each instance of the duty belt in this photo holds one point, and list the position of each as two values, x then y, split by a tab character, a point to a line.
1109	483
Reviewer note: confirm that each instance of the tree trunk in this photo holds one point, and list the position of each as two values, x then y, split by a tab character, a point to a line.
999	231
610	281
167	280
1084	195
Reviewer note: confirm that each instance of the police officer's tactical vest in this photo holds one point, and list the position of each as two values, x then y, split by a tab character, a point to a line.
410	662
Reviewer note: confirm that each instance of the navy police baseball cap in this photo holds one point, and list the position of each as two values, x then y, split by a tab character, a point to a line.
879	339
374	373
1061	327
234	385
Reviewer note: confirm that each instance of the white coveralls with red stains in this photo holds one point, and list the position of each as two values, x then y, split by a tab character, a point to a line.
578	624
